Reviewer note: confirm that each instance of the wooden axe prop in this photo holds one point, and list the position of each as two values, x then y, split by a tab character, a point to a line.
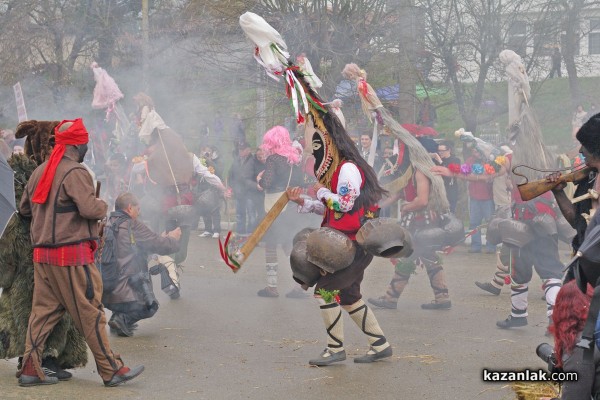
235	260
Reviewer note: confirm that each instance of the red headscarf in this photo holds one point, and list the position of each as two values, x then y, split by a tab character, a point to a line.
74	135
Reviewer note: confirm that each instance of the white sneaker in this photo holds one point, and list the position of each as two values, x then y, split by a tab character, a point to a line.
215	235
205	234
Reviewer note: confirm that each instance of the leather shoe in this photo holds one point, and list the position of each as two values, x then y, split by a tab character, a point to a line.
446	305
34	380
124	374
328	357
512	322
296	293
52	369
373	355
382	302
119	324
268	292
488	287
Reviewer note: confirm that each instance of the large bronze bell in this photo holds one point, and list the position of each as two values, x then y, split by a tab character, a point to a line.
302	236
330	249
544	225
207	201
183	214
492	235
430	237
516	233
303	271
384	237
454	228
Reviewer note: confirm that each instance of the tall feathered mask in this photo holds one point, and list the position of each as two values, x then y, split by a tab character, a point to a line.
271	52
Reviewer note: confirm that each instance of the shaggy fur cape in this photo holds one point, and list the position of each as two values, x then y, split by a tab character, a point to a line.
64	343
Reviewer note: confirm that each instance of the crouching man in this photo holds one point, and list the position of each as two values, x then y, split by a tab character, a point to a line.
132	298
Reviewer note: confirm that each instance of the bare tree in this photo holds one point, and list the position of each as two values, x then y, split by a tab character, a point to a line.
573	12
466	36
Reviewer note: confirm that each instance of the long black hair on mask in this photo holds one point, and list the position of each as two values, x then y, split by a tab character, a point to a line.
371	192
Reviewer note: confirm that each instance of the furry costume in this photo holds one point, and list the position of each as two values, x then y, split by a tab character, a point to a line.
65	343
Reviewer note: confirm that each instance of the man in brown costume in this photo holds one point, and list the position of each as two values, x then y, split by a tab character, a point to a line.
60	200
65	347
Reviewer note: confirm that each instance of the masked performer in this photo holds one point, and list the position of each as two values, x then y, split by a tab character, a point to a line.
347	193
531	236
65	276
425	201
282	170
168	176
65	347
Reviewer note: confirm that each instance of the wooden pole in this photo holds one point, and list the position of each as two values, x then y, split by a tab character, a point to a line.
262	228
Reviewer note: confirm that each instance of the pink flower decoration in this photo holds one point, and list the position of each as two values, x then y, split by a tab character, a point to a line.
465	169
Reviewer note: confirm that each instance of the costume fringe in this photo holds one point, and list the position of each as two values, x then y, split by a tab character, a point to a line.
421	160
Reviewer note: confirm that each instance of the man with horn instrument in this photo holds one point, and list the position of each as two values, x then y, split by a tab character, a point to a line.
581	208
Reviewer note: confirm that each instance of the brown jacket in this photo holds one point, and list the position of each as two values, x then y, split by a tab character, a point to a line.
133	259
70	214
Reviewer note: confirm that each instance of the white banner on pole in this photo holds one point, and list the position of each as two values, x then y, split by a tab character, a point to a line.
21	111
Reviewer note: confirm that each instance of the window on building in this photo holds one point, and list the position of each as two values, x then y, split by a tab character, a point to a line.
517	37
594	36
544	38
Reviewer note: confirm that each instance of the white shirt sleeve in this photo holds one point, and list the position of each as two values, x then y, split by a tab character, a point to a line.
205	173
348	189
312	206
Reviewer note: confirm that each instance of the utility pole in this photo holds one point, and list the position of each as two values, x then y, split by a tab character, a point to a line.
407	72
145	45
261	118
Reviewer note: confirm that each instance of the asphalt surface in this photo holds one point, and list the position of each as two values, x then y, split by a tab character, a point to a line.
221	341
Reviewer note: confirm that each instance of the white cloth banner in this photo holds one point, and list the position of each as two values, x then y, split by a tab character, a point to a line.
21	111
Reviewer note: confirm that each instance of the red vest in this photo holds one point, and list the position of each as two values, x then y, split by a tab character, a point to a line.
526	210
347	222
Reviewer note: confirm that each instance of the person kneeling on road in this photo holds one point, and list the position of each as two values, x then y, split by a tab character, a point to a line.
132	298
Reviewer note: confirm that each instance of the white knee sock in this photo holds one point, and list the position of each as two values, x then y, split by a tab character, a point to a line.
366	321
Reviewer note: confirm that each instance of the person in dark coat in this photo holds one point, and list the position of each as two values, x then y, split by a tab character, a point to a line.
242	178
445	152
133	299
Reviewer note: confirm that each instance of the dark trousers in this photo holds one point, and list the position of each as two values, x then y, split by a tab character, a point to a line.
542	254
212	221
348	280
247	213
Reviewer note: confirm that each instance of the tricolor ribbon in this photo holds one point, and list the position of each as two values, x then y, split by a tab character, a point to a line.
226	256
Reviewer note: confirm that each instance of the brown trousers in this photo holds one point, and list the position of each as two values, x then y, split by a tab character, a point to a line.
78	291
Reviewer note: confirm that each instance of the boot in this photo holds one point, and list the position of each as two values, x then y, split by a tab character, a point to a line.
271	289
518	314
52	369
332	318
489	287
28	376
393	292
512	322
366	321
437	280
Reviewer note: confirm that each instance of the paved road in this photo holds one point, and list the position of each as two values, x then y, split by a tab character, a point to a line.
221	341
